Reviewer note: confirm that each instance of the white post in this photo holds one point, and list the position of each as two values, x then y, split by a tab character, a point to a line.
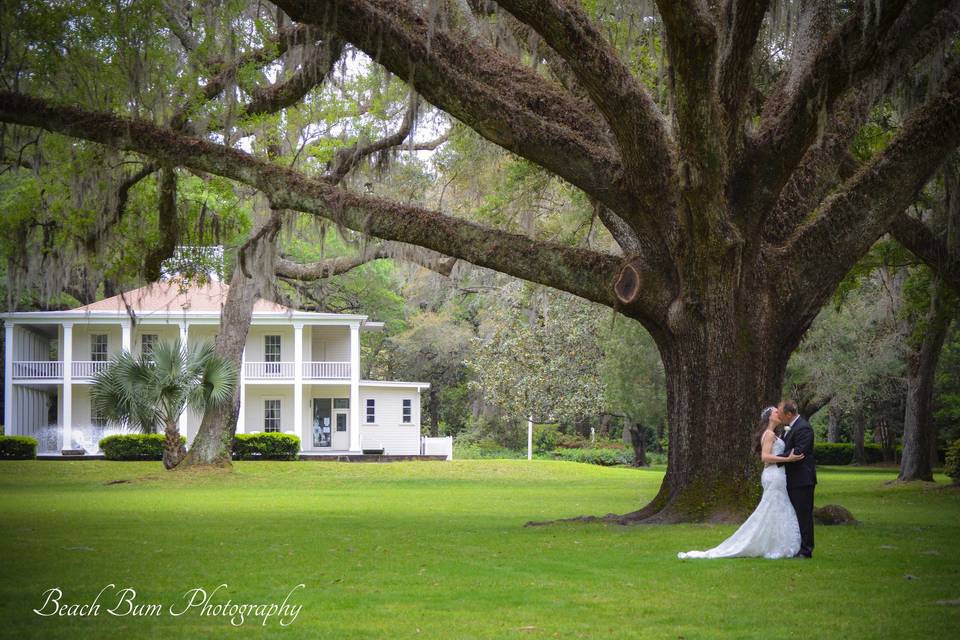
125	336
530	438
8	428
67	352
182	423
241	428
298	380
355	388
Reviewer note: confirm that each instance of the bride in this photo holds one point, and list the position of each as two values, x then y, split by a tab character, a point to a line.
771	530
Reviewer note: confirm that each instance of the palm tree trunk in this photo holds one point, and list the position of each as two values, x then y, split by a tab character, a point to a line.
173	449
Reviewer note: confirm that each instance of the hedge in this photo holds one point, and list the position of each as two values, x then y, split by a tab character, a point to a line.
134	446
841	453
18	448
602	457
266	446
951	465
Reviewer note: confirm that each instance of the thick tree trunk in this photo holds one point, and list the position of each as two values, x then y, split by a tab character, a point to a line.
173	449
833	430
918	417
719	377
214	441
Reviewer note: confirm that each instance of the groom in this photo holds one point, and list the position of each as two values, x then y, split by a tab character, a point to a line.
802	474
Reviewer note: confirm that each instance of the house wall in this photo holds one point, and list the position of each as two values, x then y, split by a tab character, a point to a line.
389	431
165	333
253	406
311	391
330	344
30	411
81	339
28	345
255	342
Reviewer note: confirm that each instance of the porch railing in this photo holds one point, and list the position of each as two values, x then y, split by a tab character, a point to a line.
38	369
259	370
88	368
326	370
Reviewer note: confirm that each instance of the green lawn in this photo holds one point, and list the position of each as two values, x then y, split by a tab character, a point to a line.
438	550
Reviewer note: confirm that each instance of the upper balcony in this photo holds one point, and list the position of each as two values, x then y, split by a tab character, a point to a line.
86	370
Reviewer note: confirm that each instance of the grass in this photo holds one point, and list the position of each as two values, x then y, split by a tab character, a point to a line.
438	550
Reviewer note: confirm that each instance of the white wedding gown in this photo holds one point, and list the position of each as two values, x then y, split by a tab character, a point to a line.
771	531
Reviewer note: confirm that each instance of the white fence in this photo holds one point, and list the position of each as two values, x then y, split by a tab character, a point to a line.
325	370
437	446
268	370
88	368
37	369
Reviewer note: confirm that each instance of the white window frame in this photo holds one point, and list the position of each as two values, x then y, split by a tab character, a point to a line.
272	366
406	411
96	418
371	411
153	344
94	342
278	417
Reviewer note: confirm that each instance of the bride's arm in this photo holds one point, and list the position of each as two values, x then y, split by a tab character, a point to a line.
766	451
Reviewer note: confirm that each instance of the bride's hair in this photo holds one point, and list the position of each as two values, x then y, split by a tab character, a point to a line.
764	419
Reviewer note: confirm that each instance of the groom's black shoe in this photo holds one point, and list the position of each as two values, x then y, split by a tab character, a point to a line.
804	556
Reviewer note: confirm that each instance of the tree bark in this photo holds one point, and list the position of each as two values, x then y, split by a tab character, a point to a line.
173	449
213	443
433	407
915	463
639	442
859	454
833	430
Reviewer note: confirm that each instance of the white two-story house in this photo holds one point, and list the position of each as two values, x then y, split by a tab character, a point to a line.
300	371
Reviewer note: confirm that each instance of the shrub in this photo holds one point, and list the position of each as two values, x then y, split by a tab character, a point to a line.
841	453
951	466
134	446
572	441
266	446
603	457
18	448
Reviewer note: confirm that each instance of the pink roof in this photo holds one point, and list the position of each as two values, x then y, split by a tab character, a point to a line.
167	296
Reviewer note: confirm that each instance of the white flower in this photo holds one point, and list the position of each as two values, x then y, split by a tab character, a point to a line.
786	428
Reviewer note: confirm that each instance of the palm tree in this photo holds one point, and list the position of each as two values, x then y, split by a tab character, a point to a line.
154	389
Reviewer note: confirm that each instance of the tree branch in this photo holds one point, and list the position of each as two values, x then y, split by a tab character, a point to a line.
919	240
385	250
855	51
829	162
743	19
504	101
634	118
588	274
850	220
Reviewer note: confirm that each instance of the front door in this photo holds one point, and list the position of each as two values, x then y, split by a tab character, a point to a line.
341	439
322	423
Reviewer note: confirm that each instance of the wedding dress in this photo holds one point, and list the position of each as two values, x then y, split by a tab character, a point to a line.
771	530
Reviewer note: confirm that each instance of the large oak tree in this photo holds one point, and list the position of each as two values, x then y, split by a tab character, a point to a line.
735	203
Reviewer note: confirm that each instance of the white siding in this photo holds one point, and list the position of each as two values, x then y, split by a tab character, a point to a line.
253	409
164	333
28	345
81	339
389	431
330	344
255	342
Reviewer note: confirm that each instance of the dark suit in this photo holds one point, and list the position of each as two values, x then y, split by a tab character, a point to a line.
801	479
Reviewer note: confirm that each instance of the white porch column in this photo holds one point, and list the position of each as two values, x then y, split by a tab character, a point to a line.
298	380
241	426
125	336
67	351
182	422
355	407
8	428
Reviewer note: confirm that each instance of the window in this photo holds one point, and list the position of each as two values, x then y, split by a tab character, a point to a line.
407	409
98	347
148	342
96	418
271	354
271	415
371	410
341	403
